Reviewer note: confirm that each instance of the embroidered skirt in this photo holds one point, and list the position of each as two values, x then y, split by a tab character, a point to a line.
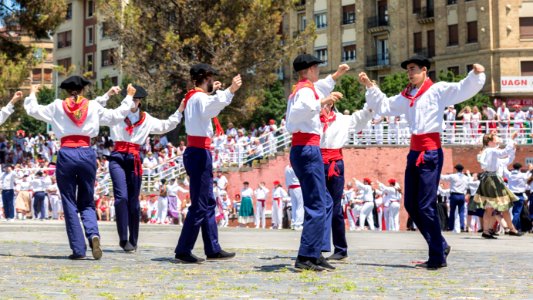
493	193
246	211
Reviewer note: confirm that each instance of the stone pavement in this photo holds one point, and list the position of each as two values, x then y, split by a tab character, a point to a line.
33	265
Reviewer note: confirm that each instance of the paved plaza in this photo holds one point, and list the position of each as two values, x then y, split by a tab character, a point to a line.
34	264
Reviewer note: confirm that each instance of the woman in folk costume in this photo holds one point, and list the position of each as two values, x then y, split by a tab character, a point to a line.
200	108
303	122
493	194
75	121
246	209
335	127
423	103
125	166
278	195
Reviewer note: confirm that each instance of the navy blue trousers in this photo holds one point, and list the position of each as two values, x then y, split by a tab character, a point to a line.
39	205
457	202
309	168
335	185
7	200
126	189
517	210
76	174
199	166
421	183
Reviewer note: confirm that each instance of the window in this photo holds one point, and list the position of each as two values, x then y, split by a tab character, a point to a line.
300	3
348	53
454	70
431	43
68	16
89	62
469	68
89	35
301	21
321	20
47	75
450	2
526	27
64	39
348	14
36	75
526	68
417	6
90	9
106	30
432	75
453	35
417	42
322	54
471	33
109	81
64	63
108	57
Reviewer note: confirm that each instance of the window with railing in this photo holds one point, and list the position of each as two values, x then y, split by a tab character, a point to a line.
64	39
417	42
108	57
322	54
348	14
450	2
349	53
321	20
36	75
68	15
65	63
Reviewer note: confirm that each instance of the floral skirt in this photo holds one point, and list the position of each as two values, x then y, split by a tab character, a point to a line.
246	211
23	201
493	193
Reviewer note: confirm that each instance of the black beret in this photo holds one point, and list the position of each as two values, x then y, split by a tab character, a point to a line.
200	71
419	60
304	61
459	167
74	83
139	93
517	166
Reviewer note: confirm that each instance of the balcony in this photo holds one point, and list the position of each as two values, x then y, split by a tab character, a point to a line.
378	24
427	52
377	62
425	15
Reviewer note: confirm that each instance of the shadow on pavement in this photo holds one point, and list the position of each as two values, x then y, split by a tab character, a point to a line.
164	259
278	257
273	268
388	265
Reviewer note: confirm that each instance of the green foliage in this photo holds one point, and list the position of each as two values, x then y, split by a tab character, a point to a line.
393	84
30	124
354	94
273	107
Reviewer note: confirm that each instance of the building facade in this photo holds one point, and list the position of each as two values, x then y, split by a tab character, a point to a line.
82	45
376	35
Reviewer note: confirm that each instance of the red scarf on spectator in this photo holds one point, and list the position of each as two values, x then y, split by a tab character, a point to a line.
407	91
303	83
218	128
76	110
129	127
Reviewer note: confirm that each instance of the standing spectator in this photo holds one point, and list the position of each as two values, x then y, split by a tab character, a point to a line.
278	194
23	201
162	203
473	185
231	131
368	206
392	130
255	153
55	200
476	125
491	116
504	117
449	121
222	181
391	200
466	114
149	163
519	117
260	195
458	185
174	202
39	203
246	210
297	200
8	193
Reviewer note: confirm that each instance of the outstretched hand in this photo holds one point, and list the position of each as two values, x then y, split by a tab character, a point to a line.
35	88
131	90
341	70
17	97
235	84
331	99
364	80
478	68
114	90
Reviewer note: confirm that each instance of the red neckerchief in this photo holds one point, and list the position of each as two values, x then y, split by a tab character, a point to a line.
218	128
304	83
76	110
129	127
407	92
326	119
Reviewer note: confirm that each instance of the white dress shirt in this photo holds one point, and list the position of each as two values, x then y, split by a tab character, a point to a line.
458	182
38	185
279	192
336	135
368	192
517	181
6	112
97	115
261	193
290	177
425	116
201	108
490	157
8	181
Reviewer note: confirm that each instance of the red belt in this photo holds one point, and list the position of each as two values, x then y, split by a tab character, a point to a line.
330	156
278	200
202	142
424	142
75	141
125	147
262	202
305	139
294	186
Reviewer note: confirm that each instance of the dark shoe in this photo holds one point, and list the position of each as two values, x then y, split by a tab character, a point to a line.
492	232
324	264
515	233
95	246
129	248
222	255
480	231
447	251
337	256
488	236
430	267
189	258
300	266
76	256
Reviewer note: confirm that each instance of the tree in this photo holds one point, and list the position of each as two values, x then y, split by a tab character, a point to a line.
274	105
354	94
393	84
161	39
30	124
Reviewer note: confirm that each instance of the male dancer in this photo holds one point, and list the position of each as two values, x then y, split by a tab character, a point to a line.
297	202
200	108
423	103
125	166
75	121
260	198
303	121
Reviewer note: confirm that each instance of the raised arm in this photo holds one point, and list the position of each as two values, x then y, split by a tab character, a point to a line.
112	116
360	118
10	107
164	126
213	104
102	100
39	112
453	93
379	102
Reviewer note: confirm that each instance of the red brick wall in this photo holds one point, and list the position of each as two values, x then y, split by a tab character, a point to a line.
376	163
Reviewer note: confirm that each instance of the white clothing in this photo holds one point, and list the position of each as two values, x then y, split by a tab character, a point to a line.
201	108
8	181
489	156
38	185
247	192
368	192
162	209
5	112
458	182
336	135
366	212
261	193
277	206
297	203
517	181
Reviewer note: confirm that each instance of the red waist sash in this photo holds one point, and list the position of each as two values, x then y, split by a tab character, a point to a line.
75	141
330	156
294	186
424	142
202	142
125	147
262	202
305	139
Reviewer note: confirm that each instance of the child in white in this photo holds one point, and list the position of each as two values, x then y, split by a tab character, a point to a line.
277	207
368	205
260	195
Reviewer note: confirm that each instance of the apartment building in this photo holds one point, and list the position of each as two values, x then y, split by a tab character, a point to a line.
376	35
83	45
